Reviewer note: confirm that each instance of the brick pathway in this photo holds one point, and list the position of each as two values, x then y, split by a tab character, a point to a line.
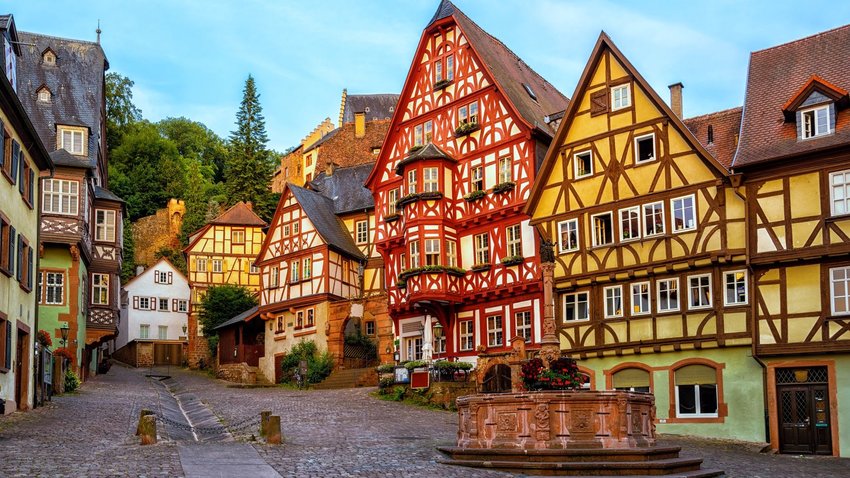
327	433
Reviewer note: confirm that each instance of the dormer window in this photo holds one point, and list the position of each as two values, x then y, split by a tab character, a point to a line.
44	95
72	139
48	57
814	122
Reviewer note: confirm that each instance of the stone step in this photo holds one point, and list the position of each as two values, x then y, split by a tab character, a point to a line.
564	455
348	378
666	467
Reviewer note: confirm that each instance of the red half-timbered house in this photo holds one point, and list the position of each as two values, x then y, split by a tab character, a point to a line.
450	183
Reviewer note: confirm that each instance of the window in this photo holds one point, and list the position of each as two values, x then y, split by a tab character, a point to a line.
392	198
417	135
402	261
506	173
414	254
182	305
477	178
576	307
815	122
8	236
438	71
144	303
238	236
467	335
54	288
696	391
104	228
645	148
839	291
60	196
631	380
253	269
514	234
495	333
613	301
279	328
583	164
299	319
144	331
201	264
296	226
217	265
432	252
620	97
700	291
684	214
603	229
840	192
668	295
630	223
413	345
307	268
163	332
274	276
568	233
287	230
482	248
467	113
362	233
44	95
310	319
429	131
25	263
736	287
163	277
523	324
72	141
450	69
430	180
640	298
49	58
100	289
451	253
294	275
370	327
411	182
653	219
163	304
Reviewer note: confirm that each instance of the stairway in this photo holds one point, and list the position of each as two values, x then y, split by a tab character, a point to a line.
636	462
349	378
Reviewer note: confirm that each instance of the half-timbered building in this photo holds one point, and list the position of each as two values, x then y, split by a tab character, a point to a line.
651	281
451	179
61	85
794	158
222	252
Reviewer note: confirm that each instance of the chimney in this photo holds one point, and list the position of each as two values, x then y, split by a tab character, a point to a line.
140	269
330	167
676	98
250	205
359	125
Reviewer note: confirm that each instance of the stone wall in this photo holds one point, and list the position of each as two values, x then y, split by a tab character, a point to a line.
152	233
144	354
371	309
198	348
237	372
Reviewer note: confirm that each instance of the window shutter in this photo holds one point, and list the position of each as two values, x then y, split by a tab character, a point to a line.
799	125
170	277
599	102
174	305
631	377
696	375
2	145
11	251
13	172
154	304
31	189
29	267
135	302
22	173
8	344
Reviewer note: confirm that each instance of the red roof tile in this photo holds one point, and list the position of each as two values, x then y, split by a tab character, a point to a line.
725	126
240	214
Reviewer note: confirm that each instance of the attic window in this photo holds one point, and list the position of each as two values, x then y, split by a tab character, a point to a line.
529	91
367	109
391	109
814	122
645	148
48	57
44	95
710	134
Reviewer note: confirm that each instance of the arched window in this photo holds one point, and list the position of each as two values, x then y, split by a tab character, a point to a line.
632	380
696	391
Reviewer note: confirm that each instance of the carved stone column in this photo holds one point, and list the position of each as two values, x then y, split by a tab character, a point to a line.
550	346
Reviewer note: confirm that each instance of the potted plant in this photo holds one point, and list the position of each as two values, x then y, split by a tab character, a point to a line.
512	260
481	267
504	187
464	129
474	196
442	84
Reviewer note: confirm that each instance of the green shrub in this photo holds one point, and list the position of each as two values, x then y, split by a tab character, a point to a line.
415	364
385	368
398	393
72	382
319	364
386	383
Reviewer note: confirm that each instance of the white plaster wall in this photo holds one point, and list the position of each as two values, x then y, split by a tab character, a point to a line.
145	286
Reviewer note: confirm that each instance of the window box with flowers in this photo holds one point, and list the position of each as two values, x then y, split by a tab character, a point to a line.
401	284
512	261
442	84
502	188
474	196
391	218
405	200
481	267
466	128
44	339
414	271
455	271
431	195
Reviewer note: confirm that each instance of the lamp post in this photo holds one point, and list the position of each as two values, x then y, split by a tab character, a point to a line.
64	331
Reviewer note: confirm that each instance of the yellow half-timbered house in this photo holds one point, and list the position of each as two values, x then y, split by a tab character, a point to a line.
221	252
650	280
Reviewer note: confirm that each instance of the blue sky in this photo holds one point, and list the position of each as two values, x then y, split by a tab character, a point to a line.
191	57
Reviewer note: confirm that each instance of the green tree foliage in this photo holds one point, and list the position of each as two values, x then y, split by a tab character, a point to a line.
222	303
174	256
249	167
197	143
319	364
120	110
128	267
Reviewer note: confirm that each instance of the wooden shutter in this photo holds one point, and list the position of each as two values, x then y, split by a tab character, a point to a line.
135	302
154	303
8	357
13	172
696	375
2	145
173	304
20	262
22	173
170	277
29	267
631	377
31	189
11	250
599	102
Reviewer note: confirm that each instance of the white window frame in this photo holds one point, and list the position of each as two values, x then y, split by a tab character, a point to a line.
58	287
482	248
633	215
576	162
237	236
746	284
467	335
144	331
414	254
681	207
568	224
637	293
217	265
431	179
577	299
476	178
307	268
144	303
815	123
654	148
392	199
362	232
295	271
451	253
514	240
691	288
67	202
667	290
44	95
506	169
411	182
524	328
495	331
99	287
846	285
274	277
609	295
845	188
162	332
593	228
182	306
655	231
72	148
432	251
625	96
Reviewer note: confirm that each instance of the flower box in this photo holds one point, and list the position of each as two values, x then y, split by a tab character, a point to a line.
405	200
474	196
466	128
442	84
481	267
455	271
431	195
391	218
502	188
512	261
401	284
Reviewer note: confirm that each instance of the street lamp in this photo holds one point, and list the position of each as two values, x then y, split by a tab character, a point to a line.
185	328
64	331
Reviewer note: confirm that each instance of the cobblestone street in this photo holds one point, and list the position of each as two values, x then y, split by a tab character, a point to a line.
327	433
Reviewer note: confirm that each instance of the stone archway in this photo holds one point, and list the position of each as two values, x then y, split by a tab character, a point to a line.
496	379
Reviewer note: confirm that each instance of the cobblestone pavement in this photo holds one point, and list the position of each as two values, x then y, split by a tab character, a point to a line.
327	433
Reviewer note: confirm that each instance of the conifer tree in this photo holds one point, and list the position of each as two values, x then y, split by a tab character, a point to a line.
248	168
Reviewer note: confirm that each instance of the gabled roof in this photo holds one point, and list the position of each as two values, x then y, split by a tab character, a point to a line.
7	22
240	214
815	83
343	148
146	271
375	106
725	126
604	43
776	77
320	211
345	188
243	317
429	151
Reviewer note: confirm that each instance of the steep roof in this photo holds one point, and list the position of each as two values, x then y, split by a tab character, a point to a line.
243	317
61	157
322	141
105	194
725	126
775	76
343	148
429	151
509	71
320	211
76	82
376	106
240	214
345	188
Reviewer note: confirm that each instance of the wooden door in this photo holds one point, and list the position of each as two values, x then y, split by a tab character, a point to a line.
497	379
804	419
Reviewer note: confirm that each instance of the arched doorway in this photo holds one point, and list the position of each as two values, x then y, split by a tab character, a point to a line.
358	350
497	379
